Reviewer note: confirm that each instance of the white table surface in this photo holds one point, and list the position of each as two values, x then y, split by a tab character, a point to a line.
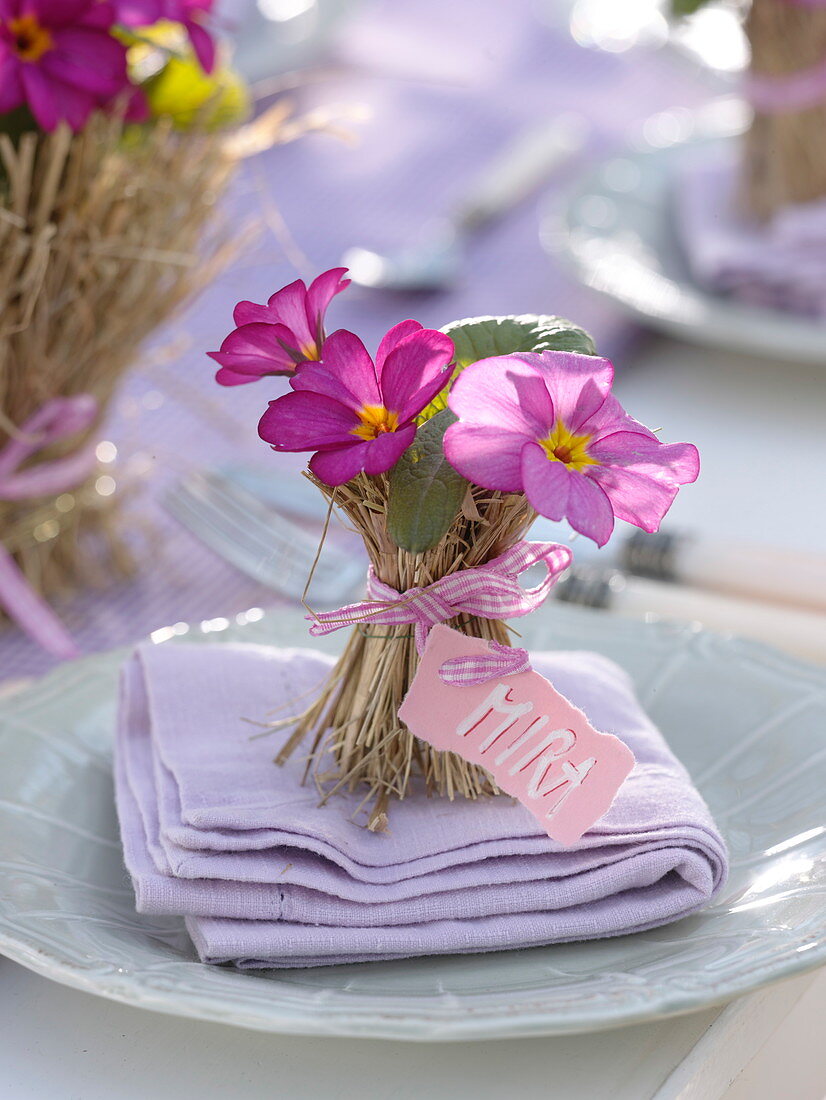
759	427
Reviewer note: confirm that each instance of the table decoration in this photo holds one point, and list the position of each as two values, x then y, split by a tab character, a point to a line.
68	912
363	196
440	452
783	161
112	156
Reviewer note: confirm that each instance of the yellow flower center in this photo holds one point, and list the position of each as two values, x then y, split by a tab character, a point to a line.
375	421
31	40
310	352
563	446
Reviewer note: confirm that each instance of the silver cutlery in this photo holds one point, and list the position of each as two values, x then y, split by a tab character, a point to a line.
262	542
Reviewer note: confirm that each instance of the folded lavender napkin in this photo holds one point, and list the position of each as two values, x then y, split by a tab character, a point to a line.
780	265
266	877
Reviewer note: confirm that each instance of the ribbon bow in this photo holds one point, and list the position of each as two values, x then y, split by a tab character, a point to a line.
491	591
55	420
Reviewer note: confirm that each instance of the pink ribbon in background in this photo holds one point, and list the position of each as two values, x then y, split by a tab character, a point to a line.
490	591
777	95
57	419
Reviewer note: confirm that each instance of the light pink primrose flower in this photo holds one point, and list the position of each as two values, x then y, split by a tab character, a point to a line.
193	14
547	425
59	57
277	337
356	415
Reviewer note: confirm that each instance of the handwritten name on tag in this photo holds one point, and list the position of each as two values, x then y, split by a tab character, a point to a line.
537	746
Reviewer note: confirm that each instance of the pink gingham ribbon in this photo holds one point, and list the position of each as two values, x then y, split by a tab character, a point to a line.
500	660
56	419
491	591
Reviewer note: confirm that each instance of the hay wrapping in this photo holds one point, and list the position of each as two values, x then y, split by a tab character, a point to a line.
784	155
354	723
103	235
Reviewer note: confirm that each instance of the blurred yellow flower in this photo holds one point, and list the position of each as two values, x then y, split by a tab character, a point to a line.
163	63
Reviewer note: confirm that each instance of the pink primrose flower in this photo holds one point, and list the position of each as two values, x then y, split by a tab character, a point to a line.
59	57
357	415
547	425
192	14
275	338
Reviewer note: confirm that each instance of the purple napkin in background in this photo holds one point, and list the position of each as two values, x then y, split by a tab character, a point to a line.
213	831
780	265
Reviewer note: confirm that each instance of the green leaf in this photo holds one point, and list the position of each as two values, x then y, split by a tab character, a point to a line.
481	337
478	338
425	492
687	7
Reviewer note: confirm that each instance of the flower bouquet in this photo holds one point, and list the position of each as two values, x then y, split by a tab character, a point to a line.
441	450
111	161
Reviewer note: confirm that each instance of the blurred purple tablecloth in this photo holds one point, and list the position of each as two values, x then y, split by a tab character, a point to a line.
443	86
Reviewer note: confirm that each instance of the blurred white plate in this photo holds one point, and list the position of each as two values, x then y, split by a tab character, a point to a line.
617	231
747	722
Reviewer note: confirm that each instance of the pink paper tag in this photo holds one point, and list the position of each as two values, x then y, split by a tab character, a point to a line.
537	746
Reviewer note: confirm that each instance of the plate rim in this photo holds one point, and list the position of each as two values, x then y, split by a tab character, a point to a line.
558	211
468	1026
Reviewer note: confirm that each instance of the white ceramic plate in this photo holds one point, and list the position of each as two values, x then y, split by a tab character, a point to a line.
617	232
748	723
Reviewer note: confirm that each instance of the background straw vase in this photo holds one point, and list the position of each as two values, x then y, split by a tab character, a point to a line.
356	738
785	154
103	234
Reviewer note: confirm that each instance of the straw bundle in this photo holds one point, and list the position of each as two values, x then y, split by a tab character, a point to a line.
356	717
784	153
103	233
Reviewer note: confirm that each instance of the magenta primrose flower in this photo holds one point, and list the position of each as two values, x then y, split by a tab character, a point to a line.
547	425
277	337
356	415
192	14
59	57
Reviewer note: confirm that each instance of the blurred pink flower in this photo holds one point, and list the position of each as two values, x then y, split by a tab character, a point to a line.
191	13
277	337
59	57
547	425
137	13
356	415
